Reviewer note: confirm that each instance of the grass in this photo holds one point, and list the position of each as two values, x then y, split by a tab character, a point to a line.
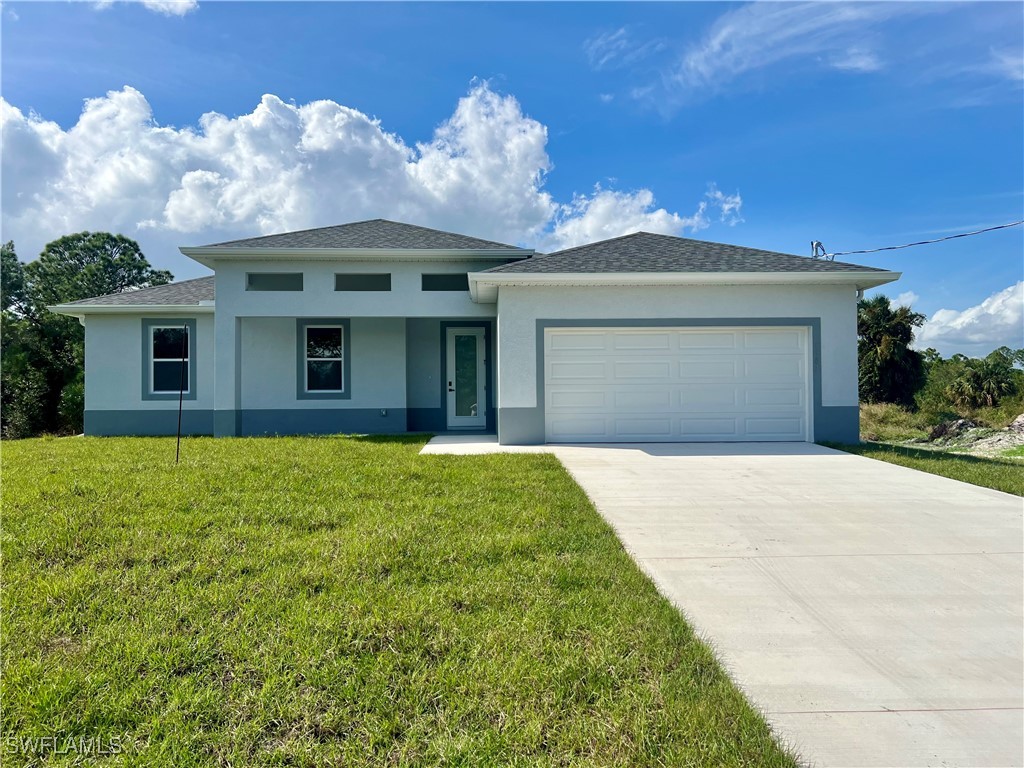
340	601
892	423
1000	474
1017	452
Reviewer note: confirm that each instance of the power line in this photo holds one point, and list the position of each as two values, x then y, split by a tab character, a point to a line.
818	250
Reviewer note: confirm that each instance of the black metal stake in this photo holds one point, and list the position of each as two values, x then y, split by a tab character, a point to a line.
181	388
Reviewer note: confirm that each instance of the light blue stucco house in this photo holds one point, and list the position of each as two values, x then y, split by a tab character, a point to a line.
382	327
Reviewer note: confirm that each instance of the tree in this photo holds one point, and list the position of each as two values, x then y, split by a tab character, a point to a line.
12	278
89	264
43	353
889	370
985	382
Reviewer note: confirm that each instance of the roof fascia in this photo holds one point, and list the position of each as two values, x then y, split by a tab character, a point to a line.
483	286
80	310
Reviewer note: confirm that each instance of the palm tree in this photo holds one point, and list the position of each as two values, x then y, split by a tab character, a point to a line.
890	371
984	382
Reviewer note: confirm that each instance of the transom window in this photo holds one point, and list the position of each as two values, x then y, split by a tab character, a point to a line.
325	358
169	360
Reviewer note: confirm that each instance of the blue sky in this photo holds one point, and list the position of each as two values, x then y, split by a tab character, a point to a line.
768	125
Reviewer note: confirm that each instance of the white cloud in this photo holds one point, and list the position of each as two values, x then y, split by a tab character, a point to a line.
906	299
857	59
1007	63
618	48
165	7
976	331
607	213
286	166
760	35
729	207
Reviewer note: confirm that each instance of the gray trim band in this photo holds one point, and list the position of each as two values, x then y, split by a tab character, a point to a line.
322	421
148	422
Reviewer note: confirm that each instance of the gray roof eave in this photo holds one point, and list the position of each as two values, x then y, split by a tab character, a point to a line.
484	285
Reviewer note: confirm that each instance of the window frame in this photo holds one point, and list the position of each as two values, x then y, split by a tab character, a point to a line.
149	326
365	278
439	278
302	373
250	275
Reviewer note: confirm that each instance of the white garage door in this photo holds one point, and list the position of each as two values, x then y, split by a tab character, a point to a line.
606	385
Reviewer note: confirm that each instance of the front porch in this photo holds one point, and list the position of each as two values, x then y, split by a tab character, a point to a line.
379	375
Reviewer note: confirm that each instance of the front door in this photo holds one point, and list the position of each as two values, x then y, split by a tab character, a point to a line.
466	386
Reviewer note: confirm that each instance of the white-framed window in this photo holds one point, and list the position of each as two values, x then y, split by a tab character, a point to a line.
325	358
169	359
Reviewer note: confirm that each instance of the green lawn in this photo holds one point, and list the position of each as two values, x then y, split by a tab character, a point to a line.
1002	474
340	601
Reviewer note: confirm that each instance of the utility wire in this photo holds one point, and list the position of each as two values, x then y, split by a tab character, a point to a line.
832	256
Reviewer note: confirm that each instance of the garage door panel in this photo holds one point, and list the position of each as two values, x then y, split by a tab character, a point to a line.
706	340
640	428
788	396
644	399
585	342
578	398
701	395
642	341
774	366
707	368
782	429
642	370
574	370
676	384
720	428
574	429
773	340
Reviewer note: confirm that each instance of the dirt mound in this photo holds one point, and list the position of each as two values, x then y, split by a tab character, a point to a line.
948	430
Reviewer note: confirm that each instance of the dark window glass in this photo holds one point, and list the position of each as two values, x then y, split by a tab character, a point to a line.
273	281
168	344
452	281
323	375
362	282
323	342
167	376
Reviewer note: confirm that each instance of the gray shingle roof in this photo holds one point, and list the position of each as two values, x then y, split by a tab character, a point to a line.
646	252
376	233
185	293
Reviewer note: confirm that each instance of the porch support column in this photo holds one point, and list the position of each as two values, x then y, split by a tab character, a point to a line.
227	400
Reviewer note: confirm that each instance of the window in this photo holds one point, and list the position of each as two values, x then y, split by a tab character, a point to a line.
362	282
325	358
169	359
324	354
273	281
163	370
450	281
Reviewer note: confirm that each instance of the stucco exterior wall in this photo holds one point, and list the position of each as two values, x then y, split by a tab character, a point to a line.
375	355
319	299
520	307
114	364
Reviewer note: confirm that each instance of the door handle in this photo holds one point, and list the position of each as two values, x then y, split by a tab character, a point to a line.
450	387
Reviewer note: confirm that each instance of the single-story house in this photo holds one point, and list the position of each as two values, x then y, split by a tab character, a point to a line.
383	327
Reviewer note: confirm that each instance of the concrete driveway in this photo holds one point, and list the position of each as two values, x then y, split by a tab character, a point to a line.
873	612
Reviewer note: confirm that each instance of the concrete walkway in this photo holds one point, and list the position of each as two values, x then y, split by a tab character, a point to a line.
873	612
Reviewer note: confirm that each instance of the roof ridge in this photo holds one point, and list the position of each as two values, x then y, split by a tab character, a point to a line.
356	229
300	231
